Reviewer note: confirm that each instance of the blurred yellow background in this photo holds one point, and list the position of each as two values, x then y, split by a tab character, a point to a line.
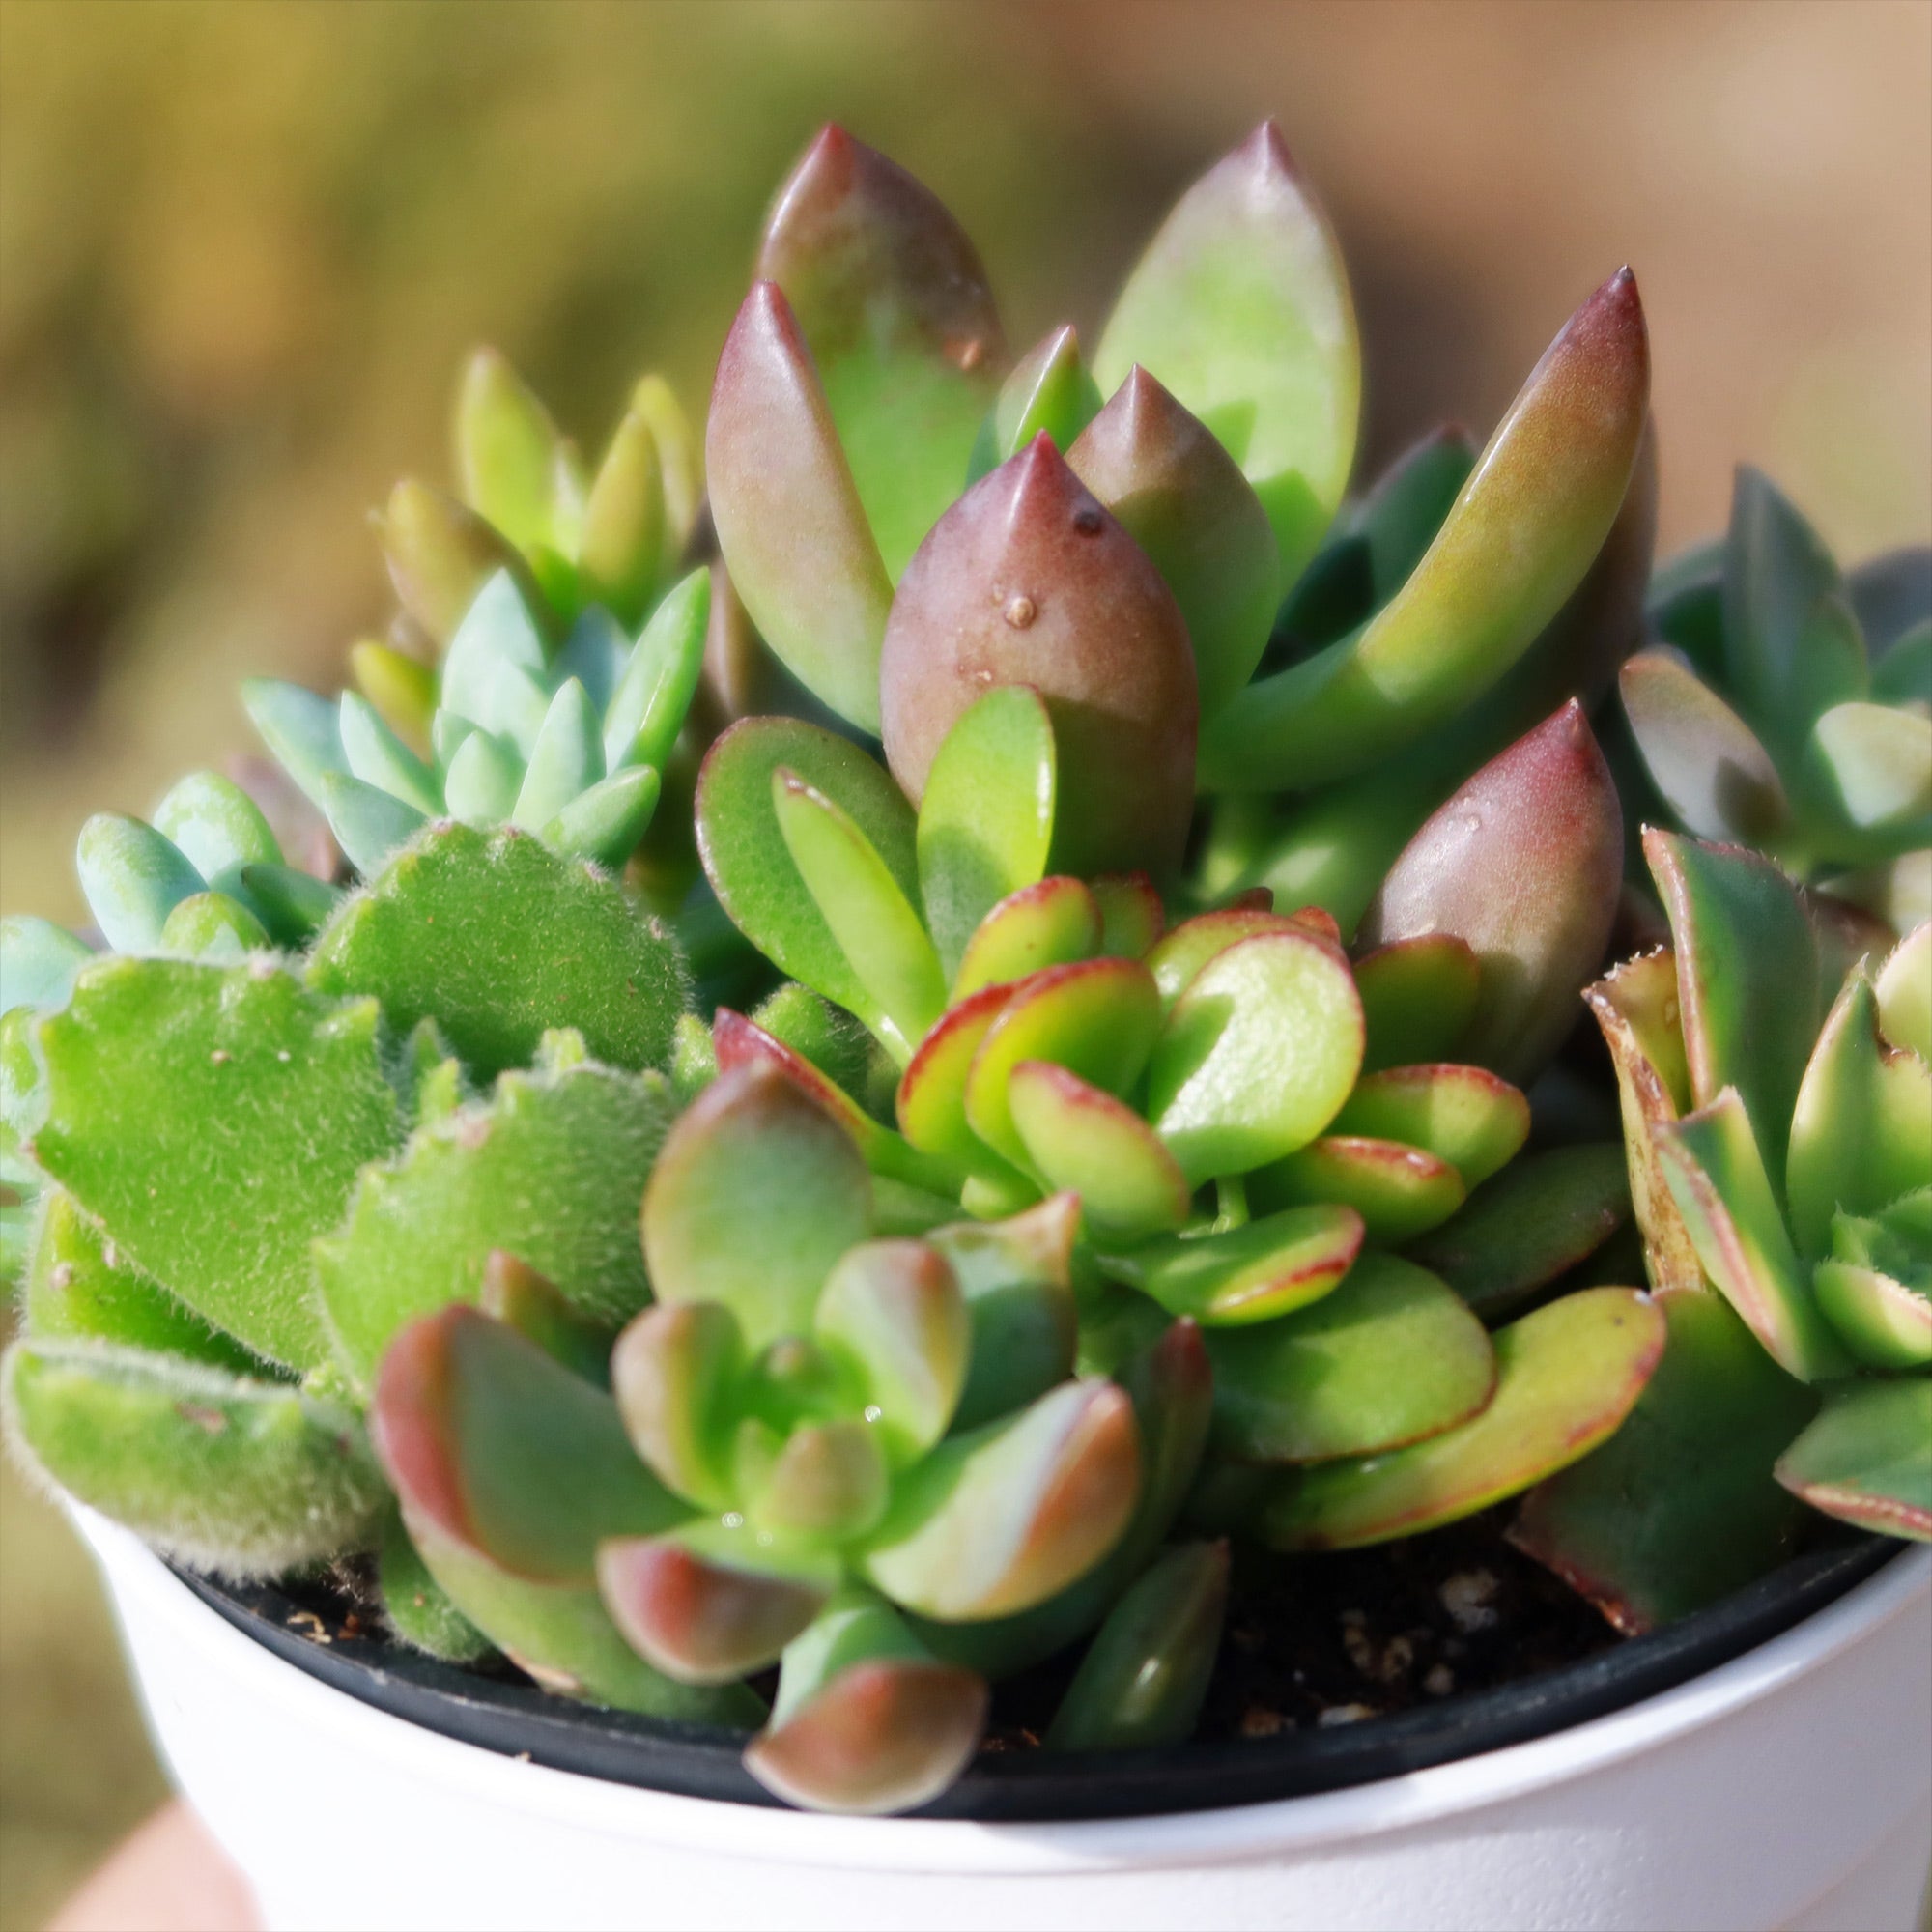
242	248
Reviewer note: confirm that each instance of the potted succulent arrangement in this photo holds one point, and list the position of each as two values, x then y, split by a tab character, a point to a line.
898	1113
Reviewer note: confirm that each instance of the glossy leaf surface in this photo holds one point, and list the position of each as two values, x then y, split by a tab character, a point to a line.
1267	1267
1867	1459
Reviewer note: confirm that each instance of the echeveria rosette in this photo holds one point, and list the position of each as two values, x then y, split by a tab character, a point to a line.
1789	706
814	1438
1781	1161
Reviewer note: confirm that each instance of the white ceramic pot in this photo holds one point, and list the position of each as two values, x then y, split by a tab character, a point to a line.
1790	1788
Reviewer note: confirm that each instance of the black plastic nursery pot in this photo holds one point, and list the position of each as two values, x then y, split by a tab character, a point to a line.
516	1720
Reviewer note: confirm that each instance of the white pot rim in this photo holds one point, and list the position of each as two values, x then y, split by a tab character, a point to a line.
146	1588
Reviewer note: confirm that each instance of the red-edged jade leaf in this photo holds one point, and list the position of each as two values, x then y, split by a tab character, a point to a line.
1716	1177
931	1099
1517	543
1133	918
1904	989
789	514
1053	923
1862	1132
751	866
985	823
1536	1220
1179	494
1678	1507
1399	1192
1028	581
1868	1457
1523	863
1241	306
872	919
1082	1140
1418	996
1096	1018
1389	1357
752	1199
1747	975
1182	951
1001	1518
1704	759
1460	1114
892	300
1265	1268
1566	1377
1258	1053
1049	393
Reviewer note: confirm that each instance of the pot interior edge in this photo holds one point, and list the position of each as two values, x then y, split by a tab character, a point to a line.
516	1718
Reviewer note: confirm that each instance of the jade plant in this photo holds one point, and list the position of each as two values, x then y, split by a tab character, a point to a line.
1160	892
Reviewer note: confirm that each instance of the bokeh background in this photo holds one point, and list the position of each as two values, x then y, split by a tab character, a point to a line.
243	248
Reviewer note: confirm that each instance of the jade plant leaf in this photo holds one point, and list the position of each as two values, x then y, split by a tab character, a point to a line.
1418	996
224	1221
1387	1357
1078	1138
549	1169
1566	1377
1056	922
498	939
1399	1192
1868	1457
246	1477
754	1197
1241	306
1870	765
985	823
1267	1267
1678	1507
218	829
1462	1114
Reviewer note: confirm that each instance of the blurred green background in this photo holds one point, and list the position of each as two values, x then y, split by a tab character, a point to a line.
242	246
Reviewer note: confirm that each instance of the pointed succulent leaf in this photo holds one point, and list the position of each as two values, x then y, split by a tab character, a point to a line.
1015	1279
508	452
301	729
1566	1377
1387	1357
1903	675
77	1287
212	927
1053	922
1082	1140
1399	517
1872	765
1867	1459
1257	1055
1399	1192
499	939
377	758
1133	918
1862	1132
681	458
892	300
1179	494
1000	1519
292	905
1096	1018
867	1720
750	866
893	1313
869	916
1904	989
1048	393
789	517
707	1607
218	829
647	709
133	877
298	1083
1028	581
516	1294
566	759
502	1449
441	554
484	776
417	1607
493	673
1536	1220
673	1371
985	823
1418	996
1523	863
1241	306
605	823
369	825
754	1198
38	963
1884	1323
1748	978
1518	542
1684	605
1462	1114
1891	595
399	687
1267	1267
1791	644
625	525
1706	761
1715	1173
1678	1507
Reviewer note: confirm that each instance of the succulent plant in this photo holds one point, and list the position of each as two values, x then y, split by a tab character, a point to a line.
1789	706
